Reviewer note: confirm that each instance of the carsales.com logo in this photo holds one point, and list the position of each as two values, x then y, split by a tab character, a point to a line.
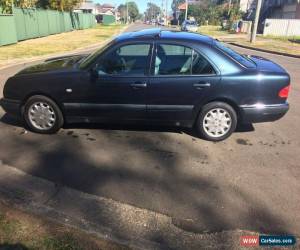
249	241
267	240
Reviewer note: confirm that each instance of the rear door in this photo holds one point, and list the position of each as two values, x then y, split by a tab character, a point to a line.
181	78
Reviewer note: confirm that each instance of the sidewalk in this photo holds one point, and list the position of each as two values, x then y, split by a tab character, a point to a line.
105	218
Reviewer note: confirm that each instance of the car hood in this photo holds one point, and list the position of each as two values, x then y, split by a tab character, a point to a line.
53	64
266	65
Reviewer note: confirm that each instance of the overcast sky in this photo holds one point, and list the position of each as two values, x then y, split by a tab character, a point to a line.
142	4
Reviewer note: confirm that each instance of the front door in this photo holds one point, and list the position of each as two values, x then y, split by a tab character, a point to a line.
180	79
118	91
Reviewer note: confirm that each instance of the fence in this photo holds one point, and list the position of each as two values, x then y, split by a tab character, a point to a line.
31	23
282	27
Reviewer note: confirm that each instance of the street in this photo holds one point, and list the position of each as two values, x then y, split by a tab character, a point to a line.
248	182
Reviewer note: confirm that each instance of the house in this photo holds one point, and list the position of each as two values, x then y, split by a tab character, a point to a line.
275	9
107	13
247	5
86	6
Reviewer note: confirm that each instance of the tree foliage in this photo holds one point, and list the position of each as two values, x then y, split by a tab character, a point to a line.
213	12
133	11
175	4
62	5
152	11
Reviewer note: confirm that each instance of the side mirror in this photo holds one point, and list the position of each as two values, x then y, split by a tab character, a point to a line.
94	73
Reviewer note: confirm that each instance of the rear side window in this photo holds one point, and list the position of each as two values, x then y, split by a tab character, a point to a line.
236	56
180	60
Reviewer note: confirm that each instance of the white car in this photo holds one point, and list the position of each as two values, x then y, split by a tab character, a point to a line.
190	26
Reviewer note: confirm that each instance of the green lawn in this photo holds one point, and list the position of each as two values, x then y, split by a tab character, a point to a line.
214	31
63	42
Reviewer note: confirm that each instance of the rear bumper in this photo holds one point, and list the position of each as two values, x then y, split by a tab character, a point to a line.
263	113
11	106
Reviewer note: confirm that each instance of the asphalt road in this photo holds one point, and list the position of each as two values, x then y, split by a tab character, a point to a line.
250	181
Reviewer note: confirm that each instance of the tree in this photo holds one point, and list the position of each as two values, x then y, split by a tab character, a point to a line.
133	11
175	4
25	3
5	6
63	5
122	10
152	11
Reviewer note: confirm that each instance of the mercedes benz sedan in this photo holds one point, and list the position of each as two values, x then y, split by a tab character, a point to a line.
151	76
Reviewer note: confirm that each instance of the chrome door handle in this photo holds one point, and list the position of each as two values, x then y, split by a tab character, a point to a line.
202	85
139	85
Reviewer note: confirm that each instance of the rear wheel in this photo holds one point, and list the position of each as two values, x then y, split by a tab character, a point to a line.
42	115
216	121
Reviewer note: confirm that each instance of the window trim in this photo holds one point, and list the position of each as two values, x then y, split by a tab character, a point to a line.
118	45
152	71
233	59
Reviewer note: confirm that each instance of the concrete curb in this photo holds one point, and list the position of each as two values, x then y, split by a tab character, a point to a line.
76	51
105	218
264	50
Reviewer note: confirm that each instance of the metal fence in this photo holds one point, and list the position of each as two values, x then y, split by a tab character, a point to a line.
282	27
32	23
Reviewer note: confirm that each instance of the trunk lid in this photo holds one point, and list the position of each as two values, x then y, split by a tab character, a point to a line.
266	65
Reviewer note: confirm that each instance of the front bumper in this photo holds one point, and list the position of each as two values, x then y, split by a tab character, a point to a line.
10	106
263	113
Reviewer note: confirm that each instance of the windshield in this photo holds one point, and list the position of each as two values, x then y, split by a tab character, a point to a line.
244	60
191	23
88	60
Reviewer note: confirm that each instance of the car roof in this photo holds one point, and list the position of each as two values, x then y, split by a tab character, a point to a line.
157	33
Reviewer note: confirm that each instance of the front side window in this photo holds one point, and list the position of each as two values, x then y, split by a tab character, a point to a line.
125	60
180	60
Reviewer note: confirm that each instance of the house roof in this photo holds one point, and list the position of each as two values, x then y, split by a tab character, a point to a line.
86	6
107	5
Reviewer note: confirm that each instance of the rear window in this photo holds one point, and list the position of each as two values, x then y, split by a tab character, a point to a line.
244	60
191	23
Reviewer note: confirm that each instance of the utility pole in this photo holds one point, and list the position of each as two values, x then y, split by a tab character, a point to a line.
126	11
256	20
166	13
186	8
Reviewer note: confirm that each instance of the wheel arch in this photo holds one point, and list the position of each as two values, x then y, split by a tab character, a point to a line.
36	93
226	100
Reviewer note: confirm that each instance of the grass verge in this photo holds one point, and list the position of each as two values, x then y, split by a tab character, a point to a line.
214	31
20	231
289	45
63	42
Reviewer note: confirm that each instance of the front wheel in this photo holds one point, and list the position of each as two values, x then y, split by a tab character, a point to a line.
216	121
42	115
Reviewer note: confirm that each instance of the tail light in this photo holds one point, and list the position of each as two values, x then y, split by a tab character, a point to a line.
284	92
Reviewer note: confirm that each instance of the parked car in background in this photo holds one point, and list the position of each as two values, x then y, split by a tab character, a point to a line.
161	22
152	76
190	26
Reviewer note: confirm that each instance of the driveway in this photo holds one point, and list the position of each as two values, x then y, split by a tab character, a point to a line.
249	182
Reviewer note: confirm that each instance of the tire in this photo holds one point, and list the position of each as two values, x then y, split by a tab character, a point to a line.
42	115
216	121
